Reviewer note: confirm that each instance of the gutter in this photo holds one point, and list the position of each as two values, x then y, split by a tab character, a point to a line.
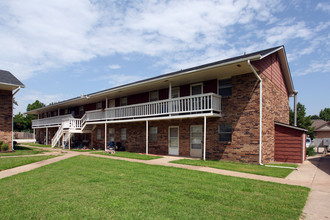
260	116
12	118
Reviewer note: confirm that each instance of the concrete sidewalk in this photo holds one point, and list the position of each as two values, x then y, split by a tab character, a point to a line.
316	172
32	166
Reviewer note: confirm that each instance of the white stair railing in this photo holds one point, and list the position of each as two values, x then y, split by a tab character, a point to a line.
57	135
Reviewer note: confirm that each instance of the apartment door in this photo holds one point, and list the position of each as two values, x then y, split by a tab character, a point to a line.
196	137
173	140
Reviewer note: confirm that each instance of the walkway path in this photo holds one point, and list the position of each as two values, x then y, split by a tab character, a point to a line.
313	173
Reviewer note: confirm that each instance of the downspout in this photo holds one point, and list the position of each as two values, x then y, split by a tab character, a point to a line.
295	93
12	118
260	122
260	116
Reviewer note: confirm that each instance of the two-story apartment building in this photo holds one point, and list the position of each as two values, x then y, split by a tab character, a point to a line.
220	110
9	86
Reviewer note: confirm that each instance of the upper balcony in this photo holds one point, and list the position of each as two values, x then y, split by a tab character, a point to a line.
204	104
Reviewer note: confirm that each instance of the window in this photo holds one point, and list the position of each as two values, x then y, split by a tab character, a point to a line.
49	114
81	110
175	92
123	101
66	111
111	134
98	134
153	96
196	89
99	105
225	132
225	87
123	134
153	133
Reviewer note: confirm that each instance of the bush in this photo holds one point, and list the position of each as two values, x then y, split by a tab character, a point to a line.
4	147
310	151
1	143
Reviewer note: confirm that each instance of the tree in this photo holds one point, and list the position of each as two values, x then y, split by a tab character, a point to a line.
325	114
21	123
24	122
314	117
303	121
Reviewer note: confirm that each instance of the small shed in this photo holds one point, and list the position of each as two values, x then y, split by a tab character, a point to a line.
290	143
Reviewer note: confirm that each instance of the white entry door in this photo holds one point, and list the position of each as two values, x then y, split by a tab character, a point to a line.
173	140
196	137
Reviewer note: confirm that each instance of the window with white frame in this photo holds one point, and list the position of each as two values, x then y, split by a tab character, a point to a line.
111	134
153	131
123	101
123	134
175	93
98	134
99	105
196	89
153	96
225	132
225	87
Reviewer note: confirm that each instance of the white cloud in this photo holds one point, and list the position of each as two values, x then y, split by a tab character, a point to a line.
320	66
114	66
324	6
37	35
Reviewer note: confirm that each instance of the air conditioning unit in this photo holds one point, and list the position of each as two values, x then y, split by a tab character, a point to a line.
326	142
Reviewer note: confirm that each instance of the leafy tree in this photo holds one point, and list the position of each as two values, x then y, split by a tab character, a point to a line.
325	114
314	117
303	121
24	122
21	123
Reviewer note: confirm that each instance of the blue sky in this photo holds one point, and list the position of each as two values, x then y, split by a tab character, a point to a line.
61	49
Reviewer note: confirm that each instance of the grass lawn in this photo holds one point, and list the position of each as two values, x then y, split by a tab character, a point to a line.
37	145
20	150
241	167
129	155
11	162
88	150
86	187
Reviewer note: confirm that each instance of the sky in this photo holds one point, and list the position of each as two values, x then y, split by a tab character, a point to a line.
60	49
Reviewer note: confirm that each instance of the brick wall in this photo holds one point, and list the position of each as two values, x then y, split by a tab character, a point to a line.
6	124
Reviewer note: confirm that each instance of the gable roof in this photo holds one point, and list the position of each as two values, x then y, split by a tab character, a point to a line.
8	81
319	124
230	61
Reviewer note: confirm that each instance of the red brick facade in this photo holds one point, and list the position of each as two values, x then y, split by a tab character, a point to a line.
240	110
6	111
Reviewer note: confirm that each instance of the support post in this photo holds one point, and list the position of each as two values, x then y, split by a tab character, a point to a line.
106	102
204	141
295	107
34	134
105	136
58	112
46	136
69	141
147	137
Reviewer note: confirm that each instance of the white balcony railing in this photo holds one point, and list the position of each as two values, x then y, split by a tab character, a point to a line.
57	120
209	102
188	104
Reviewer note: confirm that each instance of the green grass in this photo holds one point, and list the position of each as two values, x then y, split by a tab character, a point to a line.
20	150
241	167
37	145
129	155
11	162
86	187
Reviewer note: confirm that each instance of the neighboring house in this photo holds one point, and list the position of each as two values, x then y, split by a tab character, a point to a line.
321	131
209	111
8	83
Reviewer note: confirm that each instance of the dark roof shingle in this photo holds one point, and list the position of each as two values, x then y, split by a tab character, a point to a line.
8	78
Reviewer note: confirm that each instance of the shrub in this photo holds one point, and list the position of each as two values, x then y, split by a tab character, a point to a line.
310	151
4	147
1	142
